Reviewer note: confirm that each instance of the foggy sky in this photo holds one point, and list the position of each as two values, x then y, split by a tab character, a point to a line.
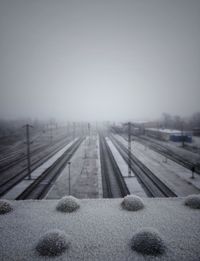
99	60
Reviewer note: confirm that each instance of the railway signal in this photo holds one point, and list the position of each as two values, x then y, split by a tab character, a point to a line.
193	171
28	126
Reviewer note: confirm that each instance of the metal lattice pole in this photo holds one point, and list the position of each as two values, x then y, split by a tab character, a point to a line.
74	130
27	126
129	149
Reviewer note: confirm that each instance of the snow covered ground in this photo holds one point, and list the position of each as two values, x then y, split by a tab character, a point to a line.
177	148
174	175
196	141
100	230
193	146
84	172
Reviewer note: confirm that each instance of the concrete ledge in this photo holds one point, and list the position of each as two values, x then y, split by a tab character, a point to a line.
100	229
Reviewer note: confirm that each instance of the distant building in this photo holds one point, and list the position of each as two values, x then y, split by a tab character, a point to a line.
166	134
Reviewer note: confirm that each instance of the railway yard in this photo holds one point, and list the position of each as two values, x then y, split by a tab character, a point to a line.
95	165
110	186
99	130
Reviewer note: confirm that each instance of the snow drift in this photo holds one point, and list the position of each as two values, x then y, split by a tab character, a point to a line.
68	204
193	201
148	242
5	207
53	243
132	203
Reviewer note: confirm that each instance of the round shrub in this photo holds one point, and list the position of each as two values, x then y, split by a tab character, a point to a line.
68	204
132	203
5	207
53	243
193	201
148	242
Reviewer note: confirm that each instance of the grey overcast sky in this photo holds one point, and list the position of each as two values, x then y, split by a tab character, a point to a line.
99	60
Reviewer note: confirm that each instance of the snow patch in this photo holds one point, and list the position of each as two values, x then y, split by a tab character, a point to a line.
132	203
53	243
193	201
5	207
68	204
148	242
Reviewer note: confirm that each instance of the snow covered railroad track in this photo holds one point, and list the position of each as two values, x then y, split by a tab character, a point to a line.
169	154
12	159
9	160
9	180
153	186
18	157
39	188
113	182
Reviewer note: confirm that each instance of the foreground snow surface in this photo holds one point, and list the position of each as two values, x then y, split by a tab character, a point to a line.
100	229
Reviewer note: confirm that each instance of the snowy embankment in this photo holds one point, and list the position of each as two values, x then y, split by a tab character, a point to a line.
101	229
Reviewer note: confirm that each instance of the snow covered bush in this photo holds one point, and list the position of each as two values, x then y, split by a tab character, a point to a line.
132	203
148	242
53	243
193	201
5	207
68	204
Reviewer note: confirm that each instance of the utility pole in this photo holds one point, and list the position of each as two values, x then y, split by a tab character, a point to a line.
74	129
85	144
51	134
28	126
68	128
182	135
89	133
129	149
82	129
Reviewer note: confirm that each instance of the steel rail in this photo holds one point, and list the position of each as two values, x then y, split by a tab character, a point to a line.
153	186
166	152
41	185
114	185
10	182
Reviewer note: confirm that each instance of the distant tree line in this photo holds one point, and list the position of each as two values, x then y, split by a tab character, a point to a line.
176	122
13	128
